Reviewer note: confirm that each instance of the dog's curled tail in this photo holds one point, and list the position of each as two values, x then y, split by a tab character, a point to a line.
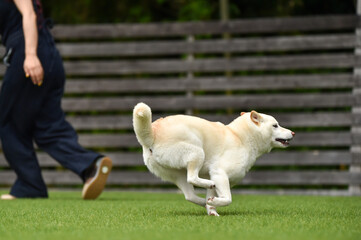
142	124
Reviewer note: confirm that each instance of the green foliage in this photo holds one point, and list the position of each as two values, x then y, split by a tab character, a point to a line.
122	215
197	10
113	11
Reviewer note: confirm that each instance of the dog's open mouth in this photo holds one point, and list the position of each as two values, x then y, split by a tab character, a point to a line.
284	142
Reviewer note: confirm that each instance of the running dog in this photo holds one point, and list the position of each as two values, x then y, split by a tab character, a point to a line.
190	151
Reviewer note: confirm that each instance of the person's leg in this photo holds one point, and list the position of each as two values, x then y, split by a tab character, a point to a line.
17	108
19	152
56	136
53	133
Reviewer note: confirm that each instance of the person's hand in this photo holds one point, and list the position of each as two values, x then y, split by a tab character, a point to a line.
34	69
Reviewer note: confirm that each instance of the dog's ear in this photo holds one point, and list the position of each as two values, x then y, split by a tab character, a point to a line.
255	117
242	113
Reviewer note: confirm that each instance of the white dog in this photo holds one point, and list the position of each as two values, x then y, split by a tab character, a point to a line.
190	151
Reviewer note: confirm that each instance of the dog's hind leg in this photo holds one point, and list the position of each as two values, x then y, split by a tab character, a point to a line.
211	210
194	165
223	190
188	191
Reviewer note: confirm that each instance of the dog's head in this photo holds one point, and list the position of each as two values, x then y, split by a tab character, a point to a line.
269	129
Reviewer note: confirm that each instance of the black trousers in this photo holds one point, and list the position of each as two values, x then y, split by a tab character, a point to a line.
29	113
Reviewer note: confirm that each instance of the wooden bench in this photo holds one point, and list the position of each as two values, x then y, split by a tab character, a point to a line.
302	70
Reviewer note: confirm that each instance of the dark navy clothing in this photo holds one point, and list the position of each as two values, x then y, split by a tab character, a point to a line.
10	19
30	113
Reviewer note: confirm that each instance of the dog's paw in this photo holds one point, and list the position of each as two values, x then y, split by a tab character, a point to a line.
210	200
213	214
212	184
211	211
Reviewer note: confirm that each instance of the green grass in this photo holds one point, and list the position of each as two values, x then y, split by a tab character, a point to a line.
124	215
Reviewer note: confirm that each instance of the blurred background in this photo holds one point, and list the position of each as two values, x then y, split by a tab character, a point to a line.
142	11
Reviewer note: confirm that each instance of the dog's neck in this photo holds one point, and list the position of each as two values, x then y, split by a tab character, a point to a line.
253	139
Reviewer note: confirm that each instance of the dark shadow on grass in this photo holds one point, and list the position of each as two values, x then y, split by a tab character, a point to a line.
235	213
265	212
190	213
201	214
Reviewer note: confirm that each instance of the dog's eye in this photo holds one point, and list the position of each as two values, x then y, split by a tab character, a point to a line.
275	125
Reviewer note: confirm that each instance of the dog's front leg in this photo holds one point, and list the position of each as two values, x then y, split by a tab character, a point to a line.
211	210
222	188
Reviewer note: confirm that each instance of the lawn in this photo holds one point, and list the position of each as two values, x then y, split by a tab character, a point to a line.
125	215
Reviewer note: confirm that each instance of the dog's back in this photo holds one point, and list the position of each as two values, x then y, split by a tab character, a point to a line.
178	128
174	129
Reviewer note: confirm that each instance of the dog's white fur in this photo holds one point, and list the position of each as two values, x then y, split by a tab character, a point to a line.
190	151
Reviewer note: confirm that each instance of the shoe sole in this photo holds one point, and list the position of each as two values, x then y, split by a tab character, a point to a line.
93	189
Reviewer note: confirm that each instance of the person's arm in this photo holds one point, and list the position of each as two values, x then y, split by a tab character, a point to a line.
32	64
